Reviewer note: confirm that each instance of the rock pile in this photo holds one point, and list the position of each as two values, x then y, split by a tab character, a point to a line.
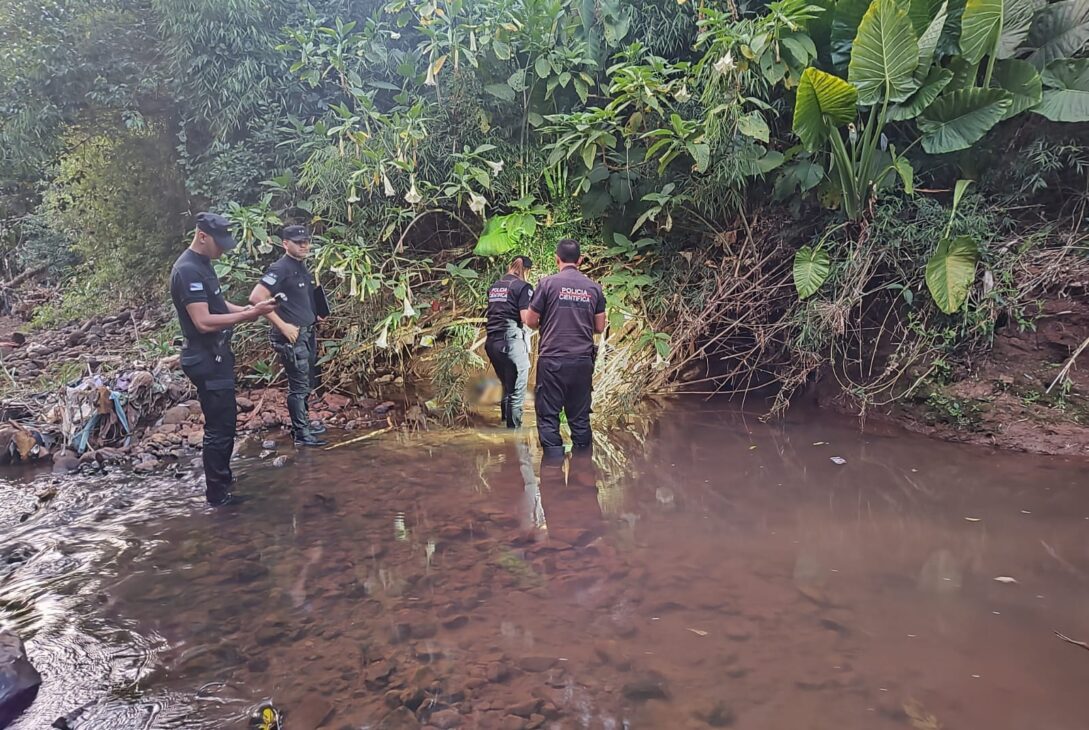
99	340
123	408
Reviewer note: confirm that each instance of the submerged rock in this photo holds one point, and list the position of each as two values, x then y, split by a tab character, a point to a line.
647	686
19	680
65	462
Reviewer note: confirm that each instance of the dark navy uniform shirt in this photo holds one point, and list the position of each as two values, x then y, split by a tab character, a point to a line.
506	300
567	303
194	280
290	277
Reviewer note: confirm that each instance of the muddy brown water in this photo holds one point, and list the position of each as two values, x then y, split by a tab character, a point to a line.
712	572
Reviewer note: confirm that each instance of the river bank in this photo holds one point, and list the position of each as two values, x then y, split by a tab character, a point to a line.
1009	397
109	390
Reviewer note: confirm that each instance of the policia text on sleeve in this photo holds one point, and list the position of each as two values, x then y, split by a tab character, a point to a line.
569	310
293	334
506	344
207	321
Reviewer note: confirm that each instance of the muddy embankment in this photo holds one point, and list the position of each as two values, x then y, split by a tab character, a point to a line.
1006	397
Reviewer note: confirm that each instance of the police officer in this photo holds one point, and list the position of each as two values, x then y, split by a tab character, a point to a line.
207	322
506	345
293	335
569	309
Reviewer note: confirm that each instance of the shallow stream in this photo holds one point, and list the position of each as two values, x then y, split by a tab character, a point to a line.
713	571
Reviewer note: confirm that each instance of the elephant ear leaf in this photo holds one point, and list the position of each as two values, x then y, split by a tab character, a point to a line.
957	121
1022	82
951	271
823	102
885	55
1060	30
811	269
1066	96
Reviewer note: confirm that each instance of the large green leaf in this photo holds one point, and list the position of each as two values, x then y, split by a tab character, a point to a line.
811	269
495	240
797	177
1066	98
957	121
1016	22
884	55
911	107
823	102
1060	30
950	272
1021	80
923	12
753	125
928	41
979	28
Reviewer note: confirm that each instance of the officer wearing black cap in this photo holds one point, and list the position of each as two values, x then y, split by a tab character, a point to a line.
506	345
293	333
207	321
569	310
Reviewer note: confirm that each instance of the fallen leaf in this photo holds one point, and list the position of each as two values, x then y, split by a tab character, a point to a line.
1005	579
973	519
697	632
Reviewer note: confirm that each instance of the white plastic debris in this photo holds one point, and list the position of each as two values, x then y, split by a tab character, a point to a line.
839	460
1005	579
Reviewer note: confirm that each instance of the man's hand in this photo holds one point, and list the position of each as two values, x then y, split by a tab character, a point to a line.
290	331
260	309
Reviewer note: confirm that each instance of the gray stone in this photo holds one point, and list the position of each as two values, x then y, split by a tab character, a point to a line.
525	709
268	444
719	715
176	415
445	719
19	680
536	663
399	719
65	461
647	686
279	462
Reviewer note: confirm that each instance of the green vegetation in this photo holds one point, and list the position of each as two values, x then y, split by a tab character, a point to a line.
760	186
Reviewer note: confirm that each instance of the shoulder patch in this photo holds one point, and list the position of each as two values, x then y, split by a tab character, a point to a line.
269	279
196	286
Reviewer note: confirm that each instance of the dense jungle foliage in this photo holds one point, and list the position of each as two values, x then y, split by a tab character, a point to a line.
765	189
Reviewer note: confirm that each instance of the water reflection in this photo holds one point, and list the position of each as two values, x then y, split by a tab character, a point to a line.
711	572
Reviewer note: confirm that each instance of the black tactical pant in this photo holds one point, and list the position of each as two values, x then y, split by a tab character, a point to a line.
509	355
213	375
300	365
565	385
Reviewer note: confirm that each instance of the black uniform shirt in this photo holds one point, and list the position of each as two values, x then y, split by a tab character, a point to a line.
194	280
291	277
506	300
567	303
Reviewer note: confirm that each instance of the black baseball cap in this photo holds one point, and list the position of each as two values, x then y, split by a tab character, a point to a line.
295	233
218	227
